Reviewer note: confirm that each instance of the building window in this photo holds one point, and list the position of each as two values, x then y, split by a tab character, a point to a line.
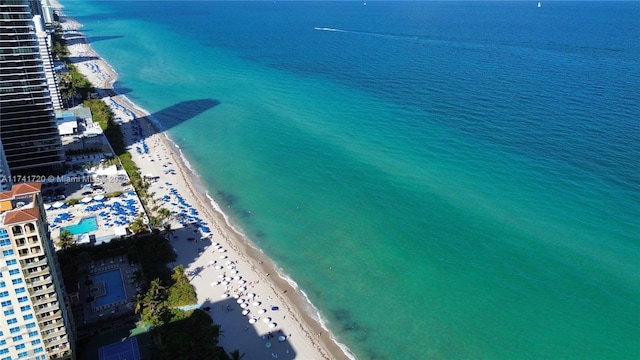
17	230
12	262
20	346
31	325
25	308
23	299
16	281
4	294
23	354
5	242
38	350
3	284
9	312
4	351
33	334
28	317
3	341
7	252
14	272
35	342
20	290
6	358
12	321
14	330
5	303
17	338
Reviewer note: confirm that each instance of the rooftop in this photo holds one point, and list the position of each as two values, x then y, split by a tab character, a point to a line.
18	204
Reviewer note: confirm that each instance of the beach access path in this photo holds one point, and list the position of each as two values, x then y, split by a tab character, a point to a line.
259	312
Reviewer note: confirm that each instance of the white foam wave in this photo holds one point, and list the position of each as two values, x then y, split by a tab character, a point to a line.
315	314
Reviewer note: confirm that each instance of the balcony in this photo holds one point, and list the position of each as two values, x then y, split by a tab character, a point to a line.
56	324
43	271
61	340
52	316
51	307
43	300
29	265
44	291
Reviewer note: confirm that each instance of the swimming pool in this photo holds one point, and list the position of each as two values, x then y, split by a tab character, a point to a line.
114	287
86	225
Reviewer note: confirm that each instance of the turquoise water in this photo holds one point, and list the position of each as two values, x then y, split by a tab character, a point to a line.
443	180
114	287
86	225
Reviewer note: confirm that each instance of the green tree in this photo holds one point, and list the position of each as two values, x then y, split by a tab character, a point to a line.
66	239
137	225
168	231
181	291
153	304
235	355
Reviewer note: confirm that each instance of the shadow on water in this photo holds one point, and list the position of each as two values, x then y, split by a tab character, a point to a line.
92	39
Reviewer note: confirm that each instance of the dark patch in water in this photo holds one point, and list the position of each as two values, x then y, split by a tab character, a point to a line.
227	199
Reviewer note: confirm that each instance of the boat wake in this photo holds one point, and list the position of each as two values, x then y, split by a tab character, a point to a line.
330	29
395	36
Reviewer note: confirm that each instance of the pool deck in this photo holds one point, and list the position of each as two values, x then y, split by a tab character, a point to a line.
79	211
94	314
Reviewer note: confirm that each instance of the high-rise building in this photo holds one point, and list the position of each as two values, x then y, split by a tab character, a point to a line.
27	120
36	321
5	174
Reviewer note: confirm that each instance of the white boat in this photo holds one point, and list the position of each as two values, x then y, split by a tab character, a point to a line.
539	4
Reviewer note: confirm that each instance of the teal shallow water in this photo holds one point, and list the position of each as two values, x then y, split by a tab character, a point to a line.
440	197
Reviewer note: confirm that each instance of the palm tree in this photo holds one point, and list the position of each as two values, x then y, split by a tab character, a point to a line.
168	231
235	355
66	239
137	225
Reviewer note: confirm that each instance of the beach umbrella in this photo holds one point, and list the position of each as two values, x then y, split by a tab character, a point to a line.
98	197
256	303
240	301
245	312
244	306
86	200
266	320
58	205
282	338
272	325
262	311
252	321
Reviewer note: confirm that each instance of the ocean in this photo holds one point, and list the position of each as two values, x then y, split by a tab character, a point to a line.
443	180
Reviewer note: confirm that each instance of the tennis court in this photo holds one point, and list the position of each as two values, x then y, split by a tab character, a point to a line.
122	350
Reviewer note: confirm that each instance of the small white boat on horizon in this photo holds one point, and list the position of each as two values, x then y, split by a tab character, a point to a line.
539	4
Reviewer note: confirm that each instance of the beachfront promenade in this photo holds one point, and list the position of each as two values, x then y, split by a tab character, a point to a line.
259	312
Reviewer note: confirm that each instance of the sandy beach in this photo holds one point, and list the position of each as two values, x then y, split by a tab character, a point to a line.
259	311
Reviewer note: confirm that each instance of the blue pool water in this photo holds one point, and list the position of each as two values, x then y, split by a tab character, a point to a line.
113	285
86	225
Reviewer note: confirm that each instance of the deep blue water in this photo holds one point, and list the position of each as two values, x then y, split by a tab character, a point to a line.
460	179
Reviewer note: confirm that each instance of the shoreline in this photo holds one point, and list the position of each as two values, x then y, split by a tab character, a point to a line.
281	287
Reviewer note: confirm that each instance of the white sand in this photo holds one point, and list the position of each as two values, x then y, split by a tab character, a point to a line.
305	338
